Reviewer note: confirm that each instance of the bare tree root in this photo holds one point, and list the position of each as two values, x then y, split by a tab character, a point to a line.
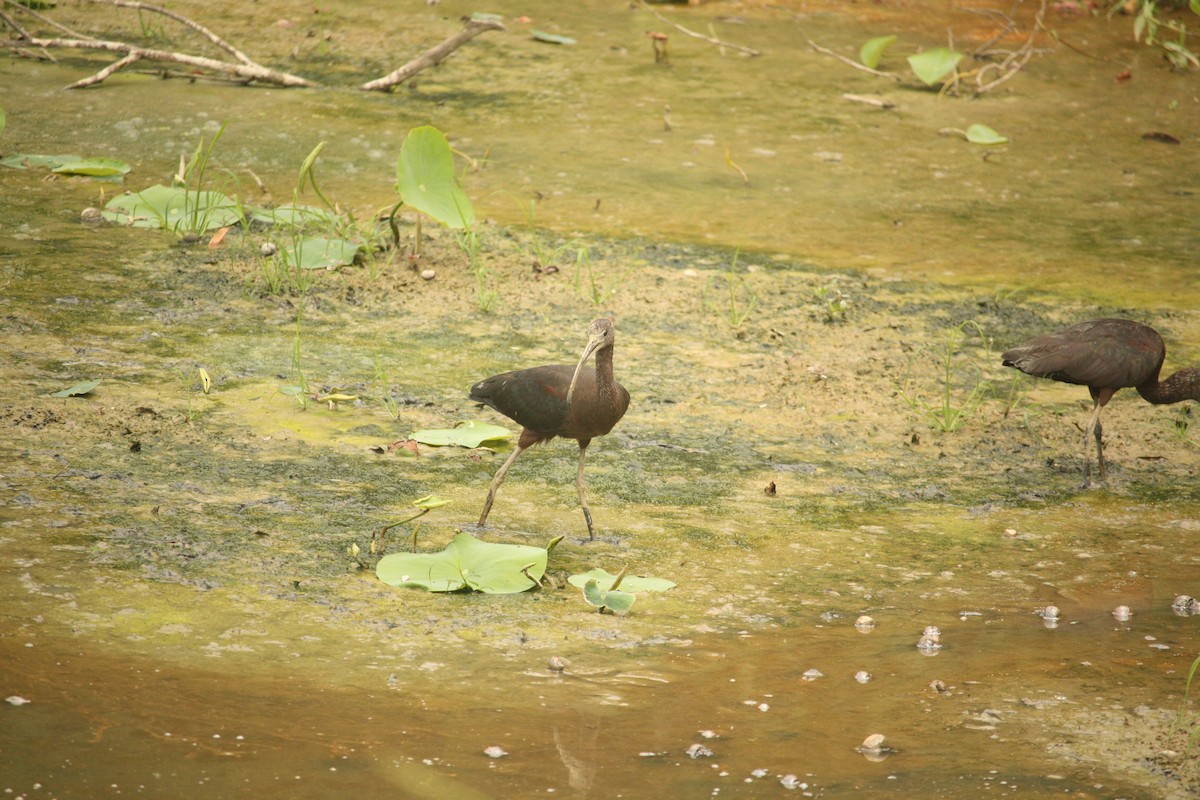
242	68
434	55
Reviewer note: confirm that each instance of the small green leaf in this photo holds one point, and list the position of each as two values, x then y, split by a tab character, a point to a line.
872	51
616	601
982	134
552	38
81	388
630	583
425	178
1194	5
468	434
935	64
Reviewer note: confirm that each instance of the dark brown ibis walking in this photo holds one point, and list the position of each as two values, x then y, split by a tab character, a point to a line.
1105	355
574	402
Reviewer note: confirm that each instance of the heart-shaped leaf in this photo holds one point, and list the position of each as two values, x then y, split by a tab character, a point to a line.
81	388
467	563
982	134
468	434
173	208
629	583
317	252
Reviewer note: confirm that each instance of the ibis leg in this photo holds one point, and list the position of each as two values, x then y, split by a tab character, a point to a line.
1100	447
1093	430
582	487
496	481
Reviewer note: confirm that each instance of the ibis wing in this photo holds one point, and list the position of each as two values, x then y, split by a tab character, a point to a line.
533	398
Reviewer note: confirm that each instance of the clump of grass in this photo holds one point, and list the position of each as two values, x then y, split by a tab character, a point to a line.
1186	718
962	386
740	297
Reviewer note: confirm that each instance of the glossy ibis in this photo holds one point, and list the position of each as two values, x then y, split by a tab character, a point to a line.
575	402
1105	355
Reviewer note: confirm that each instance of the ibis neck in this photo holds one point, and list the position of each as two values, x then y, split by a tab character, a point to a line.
1183	385
605	383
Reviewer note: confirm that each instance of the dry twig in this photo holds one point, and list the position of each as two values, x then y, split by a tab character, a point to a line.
848	61
710	39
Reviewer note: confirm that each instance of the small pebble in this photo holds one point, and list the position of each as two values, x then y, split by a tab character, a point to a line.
813	674
268	249
761	773
1010	532
428	274
557	663
699	751
932	631
790	781
709	734
495	752
864	623
862	676
91	216
1122	613
938	686
1050	612
876	743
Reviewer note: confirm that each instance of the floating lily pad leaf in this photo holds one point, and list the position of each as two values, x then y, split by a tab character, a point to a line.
468	434
982	134
431	501
614	600
872	51
934	64
630	583
23	161
552	38
425	178
467	563
317	252
81	388
292	216
173	208
94	167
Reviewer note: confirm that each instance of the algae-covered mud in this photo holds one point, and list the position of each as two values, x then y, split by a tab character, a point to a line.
824	454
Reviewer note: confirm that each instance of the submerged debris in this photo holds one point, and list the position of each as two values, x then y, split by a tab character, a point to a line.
929	643
699	751
1185	605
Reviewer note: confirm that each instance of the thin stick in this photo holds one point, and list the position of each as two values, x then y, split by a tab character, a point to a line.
182	20
711	40
104	73
434	55
850	62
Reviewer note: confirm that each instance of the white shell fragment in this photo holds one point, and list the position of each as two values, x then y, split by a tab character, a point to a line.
16	700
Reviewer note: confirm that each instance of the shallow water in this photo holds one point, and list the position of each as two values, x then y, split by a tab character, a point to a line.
180	575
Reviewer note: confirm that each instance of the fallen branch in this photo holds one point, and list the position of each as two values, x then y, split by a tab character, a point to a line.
434	55
710	39
245	69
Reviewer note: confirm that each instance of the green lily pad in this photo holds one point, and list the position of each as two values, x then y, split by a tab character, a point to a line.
431	501
468	434
25	161
614	599
982	134
551	38
630	583
467	563
935	64
425	178
173	208
317	252
81	388
94	167
872	51
292	216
